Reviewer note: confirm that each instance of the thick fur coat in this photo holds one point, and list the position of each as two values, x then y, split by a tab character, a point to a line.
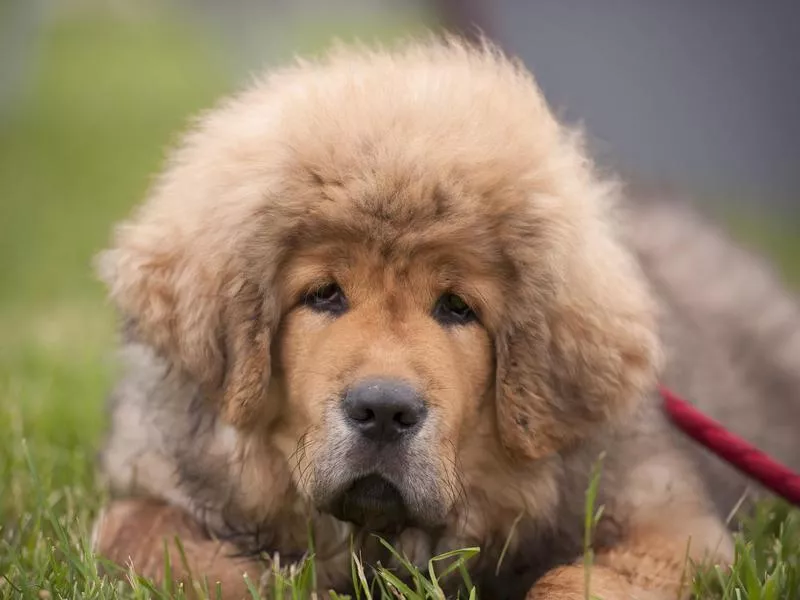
418	216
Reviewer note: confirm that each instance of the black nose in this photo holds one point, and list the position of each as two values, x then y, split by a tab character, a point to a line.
384	409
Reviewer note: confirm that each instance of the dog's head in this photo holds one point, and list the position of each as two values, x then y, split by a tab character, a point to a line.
380	261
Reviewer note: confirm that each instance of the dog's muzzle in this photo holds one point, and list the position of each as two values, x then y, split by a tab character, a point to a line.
370	480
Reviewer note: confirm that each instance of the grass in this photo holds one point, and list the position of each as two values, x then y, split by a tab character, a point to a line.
109	95
779	239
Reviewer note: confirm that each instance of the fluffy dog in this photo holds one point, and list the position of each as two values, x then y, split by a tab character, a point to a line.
387	292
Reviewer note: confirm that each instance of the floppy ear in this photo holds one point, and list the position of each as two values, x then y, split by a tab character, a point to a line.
577	357
180	291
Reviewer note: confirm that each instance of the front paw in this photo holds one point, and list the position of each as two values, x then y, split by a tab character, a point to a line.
134	533
569	583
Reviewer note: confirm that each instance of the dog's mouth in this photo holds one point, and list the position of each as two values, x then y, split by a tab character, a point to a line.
371	502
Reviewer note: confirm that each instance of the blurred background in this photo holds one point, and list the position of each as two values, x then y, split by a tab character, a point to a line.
697	97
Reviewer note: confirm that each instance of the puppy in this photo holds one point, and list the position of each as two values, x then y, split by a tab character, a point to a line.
387	292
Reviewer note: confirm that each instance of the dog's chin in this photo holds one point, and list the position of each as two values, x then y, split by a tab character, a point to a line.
371	502
374	503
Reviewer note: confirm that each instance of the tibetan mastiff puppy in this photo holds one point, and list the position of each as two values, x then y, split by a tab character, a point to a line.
388	293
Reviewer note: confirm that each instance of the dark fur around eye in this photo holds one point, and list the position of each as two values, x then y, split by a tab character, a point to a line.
451	309
328	298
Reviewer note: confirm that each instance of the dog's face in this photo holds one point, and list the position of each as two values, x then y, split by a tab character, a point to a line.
384	268
383	360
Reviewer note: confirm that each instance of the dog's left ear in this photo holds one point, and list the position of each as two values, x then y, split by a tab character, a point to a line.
578	356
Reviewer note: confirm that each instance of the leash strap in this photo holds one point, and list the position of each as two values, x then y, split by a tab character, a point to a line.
734	450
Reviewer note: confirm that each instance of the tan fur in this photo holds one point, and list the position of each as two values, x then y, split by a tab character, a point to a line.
401	176
135	533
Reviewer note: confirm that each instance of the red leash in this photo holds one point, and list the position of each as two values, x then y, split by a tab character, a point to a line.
745	457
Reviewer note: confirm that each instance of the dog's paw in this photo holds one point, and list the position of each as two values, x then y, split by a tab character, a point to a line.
135	533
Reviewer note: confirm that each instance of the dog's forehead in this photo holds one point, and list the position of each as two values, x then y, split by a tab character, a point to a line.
399	225
397	200
402	213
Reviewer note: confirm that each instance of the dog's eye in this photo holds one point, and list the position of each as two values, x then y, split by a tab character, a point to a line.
451	309
328	298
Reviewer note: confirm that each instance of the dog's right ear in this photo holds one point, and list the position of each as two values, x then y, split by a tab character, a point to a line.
177	285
